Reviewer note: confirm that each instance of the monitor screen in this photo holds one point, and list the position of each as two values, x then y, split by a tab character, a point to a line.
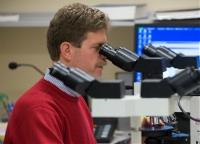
180	38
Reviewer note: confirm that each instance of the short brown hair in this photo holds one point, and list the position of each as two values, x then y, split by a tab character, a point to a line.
71	23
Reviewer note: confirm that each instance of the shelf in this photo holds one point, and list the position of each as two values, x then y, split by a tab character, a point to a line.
43	19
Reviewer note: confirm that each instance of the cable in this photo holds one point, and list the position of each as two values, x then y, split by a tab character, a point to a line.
34	67
14	65
184	112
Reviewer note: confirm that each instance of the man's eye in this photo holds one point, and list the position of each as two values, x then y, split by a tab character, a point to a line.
97	48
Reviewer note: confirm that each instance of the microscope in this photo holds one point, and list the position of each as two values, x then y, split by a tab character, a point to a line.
85	84
180	61
182	83
154	86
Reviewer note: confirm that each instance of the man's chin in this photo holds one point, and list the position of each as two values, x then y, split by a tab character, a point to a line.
98	73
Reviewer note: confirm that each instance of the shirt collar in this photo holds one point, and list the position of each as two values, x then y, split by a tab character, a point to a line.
59	84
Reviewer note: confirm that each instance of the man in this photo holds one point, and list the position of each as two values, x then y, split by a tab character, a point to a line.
50	112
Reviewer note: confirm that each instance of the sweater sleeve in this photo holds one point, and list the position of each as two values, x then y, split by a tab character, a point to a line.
40	126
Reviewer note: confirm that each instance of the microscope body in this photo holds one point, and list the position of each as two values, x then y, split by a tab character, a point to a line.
154	86
182	84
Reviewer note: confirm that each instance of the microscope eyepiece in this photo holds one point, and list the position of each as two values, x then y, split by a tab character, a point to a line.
121	57
162	51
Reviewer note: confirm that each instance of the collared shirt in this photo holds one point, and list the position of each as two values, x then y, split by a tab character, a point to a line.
59	84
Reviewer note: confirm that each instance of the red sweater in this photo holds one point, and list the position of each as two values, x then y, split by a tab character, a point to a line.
47	115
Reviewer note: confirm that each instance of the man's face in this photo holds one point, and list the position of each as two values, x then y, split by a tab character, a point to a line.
87	57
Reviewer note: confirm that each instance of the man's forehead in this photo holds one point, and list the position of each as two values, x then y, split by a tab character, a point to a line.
96	37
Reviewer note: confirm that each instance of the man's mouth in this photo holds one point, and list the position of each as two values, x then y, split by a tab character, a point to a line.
101	65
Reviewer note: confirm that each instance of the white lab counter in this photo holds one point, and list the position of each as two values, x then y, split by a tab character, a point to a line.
135	107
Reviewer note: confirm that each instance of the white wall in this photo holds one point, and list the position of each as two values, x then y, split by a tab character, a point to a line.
53	5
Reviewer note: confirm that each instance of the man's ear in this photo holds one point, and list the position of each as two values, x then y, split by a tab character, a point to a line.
66	51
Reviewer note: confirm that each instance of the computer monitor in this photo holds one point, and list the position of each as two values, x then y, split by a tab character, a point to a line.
180	38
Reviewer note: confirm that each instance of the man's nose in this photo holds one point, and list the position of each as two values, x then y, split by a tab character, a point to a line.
103	57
